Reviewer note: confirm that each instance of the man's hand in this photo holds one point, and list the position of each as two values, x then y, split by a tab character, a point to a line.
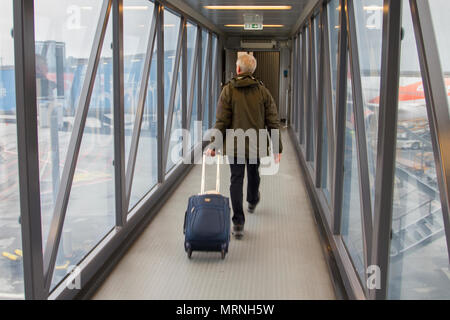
210	152
277	157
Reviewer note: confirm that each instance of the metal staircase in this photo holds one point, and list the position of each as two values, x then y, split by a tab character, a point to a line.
416	233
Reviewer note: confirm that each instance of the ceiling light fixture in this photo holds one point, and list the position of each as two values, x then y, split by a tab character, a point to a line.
248	7
373	8
135	7
264	25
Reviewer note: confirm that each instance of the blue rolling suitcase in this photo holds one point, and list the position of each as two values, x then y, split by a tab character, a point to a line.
207	219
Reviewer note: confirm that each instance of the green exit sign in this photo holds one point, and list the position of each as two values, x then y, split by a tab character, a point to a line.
253	26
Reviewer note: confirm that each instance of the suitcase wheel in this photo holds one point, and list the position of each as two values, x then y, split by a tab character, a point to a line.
187	247
224	251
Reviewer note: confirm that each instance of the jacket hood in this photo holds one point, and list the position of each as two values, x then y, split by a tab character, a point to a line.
244	80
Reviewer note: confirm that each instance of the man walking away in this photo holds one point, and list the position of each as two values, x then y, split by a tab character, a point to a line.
245	103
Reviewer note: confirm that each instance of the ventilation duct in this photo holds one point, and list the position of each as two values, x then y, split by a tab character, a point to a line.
258	44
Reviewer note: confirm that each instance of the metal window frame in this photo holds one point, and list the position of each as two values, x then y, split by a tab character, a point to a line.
376	233
293	108
173	91
295	74
302	77
184	92
295	65
320	102
37	286
199	75
436	102
387	140
329	97
193	79
119	115
27	144
305	87
160	89
38	264
360	135
311	96
206	76
60	209
341	111
213	76
327	210
140	108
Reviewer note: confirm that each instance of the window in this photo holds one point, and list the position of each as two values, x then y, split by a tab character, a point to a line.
301	85
439	15
11	266
215	76
64	38
191	41
418	257
351	227
326	174
296	74
317	53
171	34
333	32
206	78
369	23
136	30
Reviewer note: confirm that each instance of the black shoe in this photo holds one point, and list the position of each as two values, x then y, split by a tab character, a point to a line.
252	207
238	231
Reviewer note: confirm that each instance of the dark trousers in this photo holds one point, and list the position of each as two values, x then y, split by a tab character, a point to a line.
237	185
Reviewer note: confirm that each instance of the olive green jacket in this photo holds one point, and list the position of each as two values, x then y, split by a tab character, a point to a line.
245	103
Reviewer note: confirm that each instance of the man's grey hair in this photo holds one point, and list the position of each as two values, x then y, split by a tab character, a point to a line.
246	62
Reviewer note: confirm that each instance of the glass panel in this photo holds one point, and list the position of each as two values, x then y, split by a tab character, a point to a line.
418	258
351	227
137	24
136	29
64	34
333	31
91	208
191	40
369	23
11	266
171	34
439	14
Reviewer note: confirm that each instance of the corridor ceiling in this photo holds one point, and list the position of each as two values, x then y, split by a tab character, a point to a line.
220	18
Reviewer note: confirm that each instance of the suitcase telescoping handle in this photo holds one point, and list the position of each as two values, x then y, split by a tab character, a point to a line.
202	188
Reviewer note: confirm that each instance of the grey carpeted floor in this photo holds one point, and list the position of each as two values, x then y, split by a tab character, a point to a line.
279	257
